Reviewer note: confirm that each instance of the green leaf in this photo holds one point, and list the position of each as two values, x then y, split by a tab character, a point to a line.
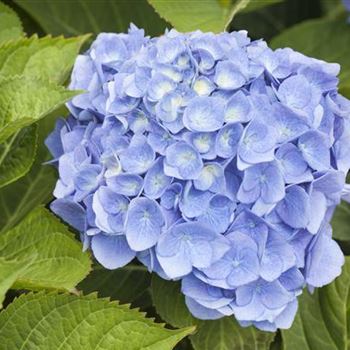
125	284
49	321
20	197
170	303
17	155
20	105
45	58
341	222
325	39
258	4
79	17
9	272
10	25
321	322
221	334
57	260
210	15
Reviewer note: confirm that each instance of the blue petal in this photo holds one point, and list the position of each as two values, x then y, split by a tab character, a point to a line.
71	212
206	295
204	142
109	48
238	109
227	140
203	86
318	205
110	210
170	198
189	244
111	251
257	143
228	76
295	92
159	86
144	223
211	178
149	259
204	114
293	166
87	180
193	202
159	139
125	184
315	149
289	124
138	157
324	261
262	181
169	107
182	161
53	142
219	214
239	266
330	183
278	257
202	312
156	182
295	209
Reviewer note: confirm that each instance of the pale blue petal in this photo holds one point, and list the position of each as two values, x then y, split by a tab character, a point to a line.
211	178
182	161
227	140
111	251
70	212
126	184
295	208
156	182
228	76
315	149
138	157
144	223
204	114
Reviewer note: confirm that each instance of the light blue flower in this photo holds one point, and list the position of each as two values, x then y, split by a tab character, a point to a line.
211	158
189	245
205	301
239	266
262	182
261	300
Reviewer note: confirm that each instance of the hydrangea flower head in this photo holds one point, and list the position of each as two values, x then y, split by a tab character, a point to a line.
213	160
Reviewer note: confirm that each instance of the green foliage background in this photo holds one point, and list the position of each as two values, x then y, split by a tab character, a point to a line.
47	282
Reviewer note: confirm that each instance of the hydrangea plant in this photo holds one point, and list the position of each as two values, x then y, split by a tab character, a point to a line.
213	160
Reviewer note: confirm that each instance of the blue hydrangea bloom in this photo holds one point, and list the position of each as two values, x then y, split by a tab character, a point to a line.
211	159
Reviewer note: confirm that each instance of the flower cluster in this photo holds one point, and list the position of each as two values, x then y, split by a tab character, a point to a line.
213	160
